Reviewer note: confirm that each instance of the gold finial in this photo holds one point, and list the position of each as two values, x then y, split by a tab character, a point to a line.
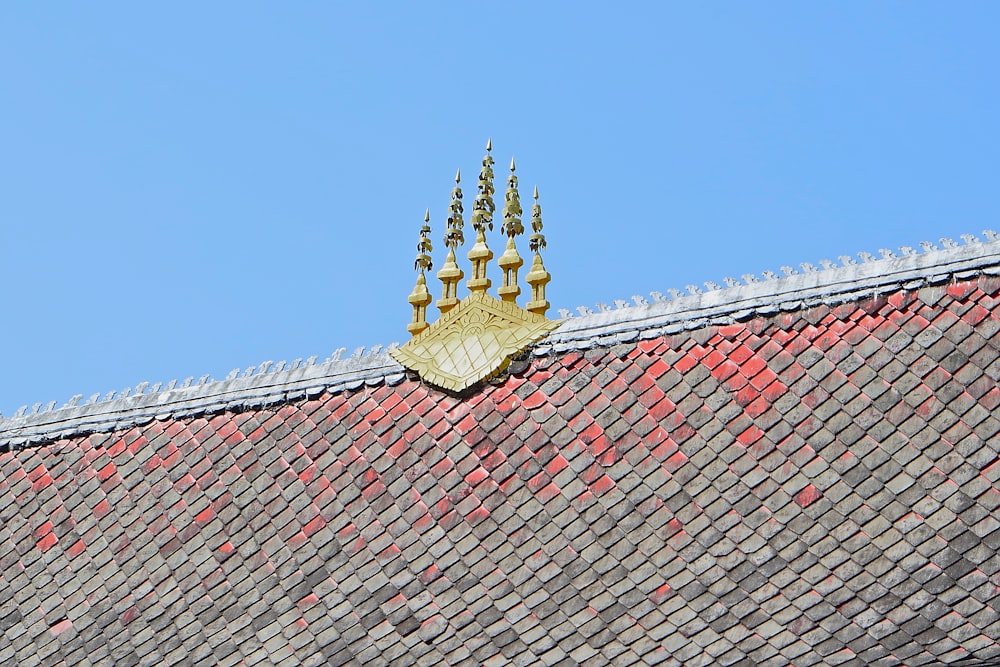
536	241
511	261
538	277
483	206
482	219
453	235
420	298
450	274
424	247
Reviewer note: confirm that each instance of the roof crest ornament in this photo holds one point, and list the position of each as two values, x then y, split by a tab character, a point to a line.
420	298
510	262
846	262
538	277
482	219
476	337
450	274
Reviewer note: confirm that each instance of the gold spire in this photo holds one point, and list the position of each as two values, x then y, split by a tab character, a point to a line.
450	274
510	261
538	277
482	219
420	298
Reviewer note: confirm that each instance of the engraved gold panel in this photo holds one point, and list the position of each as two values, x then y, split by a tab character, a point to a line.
472	342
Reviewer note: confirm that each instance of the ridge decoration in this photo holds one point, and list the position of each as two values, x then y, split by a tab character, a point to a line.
476	338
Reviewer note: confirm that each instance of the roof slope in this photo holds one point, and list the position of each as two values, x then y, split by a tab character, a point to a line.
799	471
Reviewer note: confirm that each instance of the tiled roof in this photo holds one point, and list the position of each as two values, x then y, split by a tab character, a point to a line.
800	471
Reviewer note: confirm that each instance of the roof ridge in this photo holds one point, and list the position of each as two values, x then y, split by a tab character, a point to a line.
268	382
740	300
261	384
846	262
141	388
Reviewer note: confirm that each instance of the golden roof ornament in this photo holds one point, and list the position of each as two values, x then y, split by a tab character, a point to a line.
450	274
538	277
482	218
476	338
510	262
420	298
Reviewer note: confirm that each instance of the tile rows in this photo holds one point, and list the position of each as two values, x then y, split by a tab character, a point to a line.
817	488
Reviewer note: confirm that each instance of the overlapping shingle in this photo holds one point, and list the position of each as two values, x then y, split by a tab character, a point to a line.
818	487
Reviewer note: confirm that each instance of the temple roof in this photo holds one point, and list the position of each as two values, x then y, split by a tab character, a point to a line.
785	471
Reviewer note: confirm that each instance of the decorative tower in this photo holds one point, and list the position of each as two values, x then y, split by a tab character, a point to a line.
482	219
510	262
420	298
476	337
538	277
450	274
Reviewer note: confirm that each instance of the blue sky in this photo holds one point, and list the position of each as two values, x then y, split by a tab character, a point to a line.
194	187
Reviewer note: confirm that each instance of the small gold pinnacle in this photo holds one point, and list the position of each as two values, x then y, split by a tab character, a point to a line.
420	298
538	277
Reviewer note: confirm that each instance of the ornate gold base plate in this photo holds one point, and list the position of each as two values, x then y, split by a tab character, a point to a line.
472	342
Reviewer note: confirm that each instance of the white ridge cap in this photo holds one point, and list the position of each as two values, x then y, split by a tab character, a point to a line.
813	286
255	387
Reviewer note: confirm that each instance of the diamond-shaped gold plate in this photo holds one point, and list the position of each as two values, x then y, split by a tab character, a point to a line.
472	342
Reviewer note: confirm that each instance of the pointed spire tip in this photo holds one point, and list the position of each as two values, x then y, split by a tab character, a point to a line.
427	215
512	165
489	144
458	175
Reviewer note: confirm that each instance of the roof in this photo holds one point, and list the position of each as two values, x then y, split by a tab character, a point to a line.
794	470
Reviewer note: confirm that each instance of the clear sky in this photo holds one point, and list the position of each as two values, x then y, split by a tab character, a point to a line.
186	188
